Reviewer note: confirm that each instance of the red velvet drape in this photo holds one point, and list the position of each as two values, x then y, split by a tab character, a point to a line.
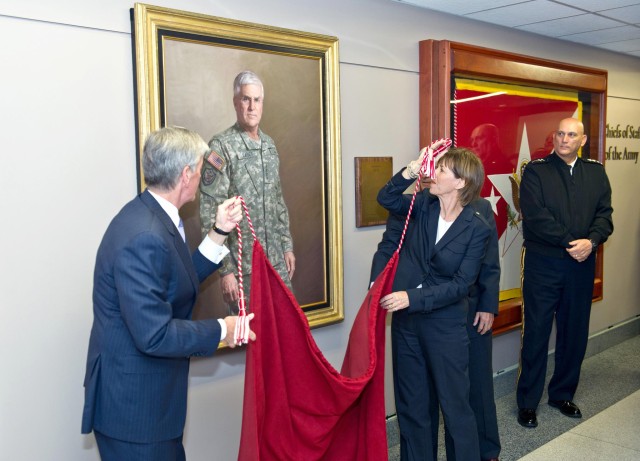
296	405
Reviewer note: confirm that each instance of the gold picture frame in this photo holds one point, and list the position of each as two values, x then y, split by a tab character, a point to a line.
184	69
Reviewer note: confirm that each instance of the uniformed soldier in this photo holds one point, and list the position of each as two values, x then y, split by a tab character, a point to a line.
244	161
566	207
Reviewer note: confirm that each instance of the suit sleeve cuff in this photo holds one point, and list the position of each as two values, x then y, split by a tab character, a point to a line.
418	302
223	329
212	251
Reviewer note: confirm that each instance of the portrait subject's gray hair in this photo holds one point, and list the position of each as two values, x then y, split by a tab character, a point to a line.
167	151
246	78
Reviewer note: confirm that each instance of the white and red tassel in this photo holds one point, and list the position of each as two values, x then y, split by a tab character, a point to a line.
241	333
428	168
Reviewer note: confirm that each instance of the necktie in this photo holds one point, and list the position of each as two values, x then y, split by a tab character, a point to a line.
181	230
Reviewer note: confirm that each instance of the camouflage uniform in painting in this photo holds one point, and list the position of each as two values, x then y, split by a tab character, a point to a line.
239	165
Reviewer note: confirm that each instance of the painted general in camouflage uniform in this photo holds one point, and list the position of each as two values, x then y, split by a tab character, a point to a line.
244	161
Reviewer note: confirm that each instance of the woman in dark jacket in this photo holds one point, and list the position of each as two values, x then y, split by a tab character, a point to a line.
440	260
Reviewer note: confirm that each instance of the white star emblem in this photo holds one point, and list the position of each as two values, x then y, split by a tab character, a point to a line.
510	241
493	200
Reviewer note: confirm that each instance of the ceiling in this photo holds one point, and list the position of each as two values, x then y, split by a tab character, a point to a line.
613	25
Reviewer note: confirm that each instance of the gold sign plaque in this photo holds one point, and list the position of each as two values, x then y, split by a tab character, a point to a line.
371	174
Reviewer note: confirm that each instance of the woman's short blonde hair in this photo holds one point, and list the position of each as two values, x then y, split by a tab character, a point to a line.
465	165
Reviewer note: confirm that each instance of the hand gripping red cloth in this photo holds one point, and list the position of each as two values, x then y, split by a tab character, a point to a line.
296	405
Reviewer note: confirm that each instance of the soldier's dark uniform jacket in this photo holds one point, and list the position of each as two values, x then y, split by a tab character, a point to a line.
239	165
559	207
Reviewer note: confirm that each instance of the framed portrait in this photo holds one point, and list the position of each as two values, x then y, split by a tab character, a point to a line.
506	108
185	65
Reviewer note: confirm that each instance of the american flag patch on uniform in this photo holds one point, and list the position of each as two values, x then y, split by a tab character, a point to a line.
214	159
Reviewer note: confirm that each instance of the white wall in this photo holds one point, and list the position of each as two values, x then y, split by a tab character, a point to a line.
67	164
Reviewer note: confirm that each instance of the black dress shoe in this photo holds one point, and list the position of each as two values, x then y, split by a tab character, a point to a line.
527	417
567	408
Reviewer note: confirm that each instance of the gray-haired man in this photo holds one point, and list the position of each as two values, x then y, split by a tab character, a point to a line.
244	161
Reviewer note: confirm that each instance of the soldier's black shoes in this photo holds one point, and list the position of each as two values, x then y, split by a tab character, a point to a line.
567	408
527	417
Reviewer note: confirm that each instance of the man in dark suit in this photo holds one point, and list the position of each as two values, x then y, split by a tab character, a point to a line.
145	287
483	306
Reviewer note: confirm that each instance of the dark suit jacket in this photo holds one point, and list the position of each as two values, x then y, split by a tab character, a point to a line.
484	294
145	286
447	269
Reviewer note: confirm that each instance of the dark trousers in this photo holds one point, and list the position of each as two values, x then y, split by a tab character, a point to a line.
481	396
436	350
561	287
118	450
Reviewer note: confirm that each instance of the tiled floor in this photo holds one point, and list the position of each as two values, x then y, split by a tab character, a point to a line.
609	397
613	434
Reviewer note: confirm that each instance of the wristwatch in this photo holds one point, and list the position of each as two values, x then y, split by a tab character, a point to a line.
219	231
594	245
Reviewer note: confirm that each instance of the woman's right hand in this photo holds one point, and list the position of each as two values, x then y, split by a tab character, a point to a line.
395	301
413	168
436	145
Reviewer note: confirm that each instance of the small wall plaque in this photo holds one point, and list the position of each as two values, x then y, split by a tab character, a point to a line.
371	174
